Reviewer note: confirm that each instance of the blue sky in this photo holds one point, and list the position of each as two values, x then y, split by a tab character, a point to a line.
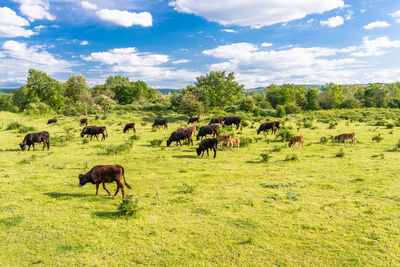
167	43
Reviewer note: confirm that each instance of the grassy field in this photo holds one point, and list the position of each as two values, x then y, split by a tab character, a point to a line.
305	206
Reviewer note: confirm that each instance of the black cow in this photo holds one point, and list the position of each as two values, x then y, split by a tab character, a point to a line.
51	121
84	121
177	136
219	120
206	144
208	129
232	120
95	131
32	138
129	126
159	122
194	119
273	125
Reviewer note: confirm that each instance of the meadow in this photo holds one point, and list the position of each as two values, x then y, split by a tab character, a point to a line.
321	205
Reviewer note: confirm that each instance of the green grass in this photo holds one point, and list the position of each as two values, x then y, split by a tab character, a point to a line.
235	210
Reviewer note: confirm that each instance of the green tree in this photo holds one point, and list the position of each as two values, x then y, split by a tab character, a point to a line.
246	104
376	95
312	97
75	86
190	106
332	96
104	102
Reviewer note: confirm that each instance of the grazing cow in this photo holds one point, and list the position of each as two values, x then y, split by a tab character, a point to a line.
87	127
51	121
219	120
206	144
343	137
102	174
32	138
232	120
159	122
179	135
208	129
129	126
95	131
193	120
296	139
84	121
273	125
233	141
222	137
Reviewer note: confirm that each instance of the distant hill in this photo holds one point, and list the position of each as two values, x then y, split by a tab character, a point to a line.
165	91
7	90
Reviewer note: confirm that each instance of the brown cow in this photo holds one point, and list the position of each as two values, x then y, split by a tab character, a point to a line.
102	174
32	138
299	139
343	137
222	137
233	141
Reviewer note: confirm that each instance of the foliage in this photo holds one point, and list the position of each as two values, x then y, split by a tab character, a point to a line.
190	106
377	138
278	185
105	102
284	135
265	157
75	86
14	126
291	157
129	207
156	142
188	189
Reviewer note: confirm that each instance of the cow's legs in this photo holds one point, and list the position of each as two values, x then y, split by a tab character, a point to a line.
203	153
97	189
104	137
105	188
180	142
207	153
33	145
44	144
215	152
119	184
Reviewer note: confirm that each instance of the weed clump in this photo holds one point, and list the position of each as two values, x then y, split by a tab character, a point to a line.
13	126
323	140
245	141
291	157
188	189
265	157
129	207
278	185
284	135
156	142
341	153
25	129
377	138
116	149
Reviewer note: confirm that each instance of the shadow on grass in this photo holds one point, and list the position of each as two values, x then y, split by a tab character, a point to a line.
254	161
107	214
185	156
63	195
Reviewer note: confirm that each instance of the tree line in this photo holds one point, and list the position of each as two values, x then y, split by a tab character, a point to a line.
214	91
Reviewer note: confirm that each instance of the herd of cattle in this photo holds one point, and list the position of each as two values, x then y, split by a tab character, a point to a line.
109	173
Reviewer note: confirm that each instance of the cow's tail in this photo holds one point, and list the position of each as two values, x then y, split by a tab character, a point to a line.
123	174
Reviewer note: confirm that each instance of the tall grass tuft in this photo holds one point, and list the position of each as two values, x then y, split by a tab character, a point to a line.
129	207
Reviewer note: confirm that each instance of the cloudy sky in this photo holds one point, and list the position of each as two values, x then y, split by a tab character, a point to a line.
167	43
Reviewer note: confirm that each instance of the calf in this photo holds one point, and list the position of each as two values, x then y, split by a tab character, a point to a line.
219	120
296	139
222	137
193	120
51	121
102	174
274	125
84	121
32	138
343	137
95	131
159	122
208	143
232	120
179	135
208	129
233	141
129	126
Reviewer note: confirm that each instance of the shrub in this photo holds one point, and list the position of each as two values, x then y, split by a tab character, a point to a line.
85	140
265	157
278	185
156	142
323	140
129	207
143	123
332	125
389	126
116	149
291	196
245	141
284	135
397	146
244	123
276	149
308	124
280	111
377	138
14	126
25	129
134	138
291	157
340	154
187	188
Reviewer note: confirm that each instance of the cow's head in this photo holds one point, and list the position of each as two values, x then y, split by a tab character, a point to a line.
169	142
198	150
258	131
84	179
23	146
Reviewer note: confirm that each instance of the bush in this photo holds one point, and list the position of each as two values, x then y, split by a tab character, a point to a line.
332	125
116	149
389	126
291	157
134	138
284	135
129	207
397	146
323	140
245	141
377	138
341	153
244	123
280	111
25	129
85	140
265	157
187	188
276	149
14	126
156	142
308	124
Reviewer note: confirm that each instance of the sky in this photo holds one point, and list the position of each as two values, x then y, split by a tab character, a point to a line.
168	43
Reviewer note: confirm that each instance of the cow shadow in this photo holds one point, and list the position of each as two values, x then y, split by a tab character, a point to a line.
106	214
185	156
63	195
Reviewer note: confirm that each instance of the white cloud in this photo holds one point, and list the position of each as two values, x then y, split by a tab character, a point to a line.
254	13
12	25
396	16
229	30
266	44
349	15
39	28
18	58
89	5
376	24
310	20
35	9
333	22
125	18
146	66
84	43
363	11
180	61
256	66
